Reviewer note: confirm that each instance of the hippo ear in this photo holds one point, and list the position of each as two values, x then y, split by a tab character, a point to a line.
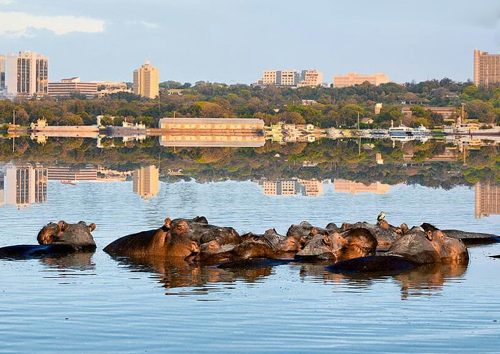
314	231
428	235
201	219
195	247
92	227
326	240
168	223
62	225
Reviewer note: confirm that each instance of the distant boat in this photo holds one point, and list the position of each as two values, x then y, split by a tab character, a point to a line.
71	183
403	131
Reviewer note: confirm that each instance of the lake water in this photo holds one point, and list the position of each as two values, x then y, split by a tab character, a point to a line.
93	303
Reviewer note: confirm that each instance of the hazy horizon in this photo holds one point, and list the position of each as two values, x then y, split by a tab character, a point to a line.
233	41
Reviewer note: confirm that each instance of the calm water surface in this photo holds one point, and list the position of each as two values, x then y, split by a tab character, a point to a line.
92	303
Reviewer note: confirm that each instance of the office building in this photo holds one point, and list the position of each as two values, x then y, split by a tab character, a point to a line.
25	184
73	85
486	68
146	181
2	75
313	187
147	81
487	198
26	74
291	78
351	79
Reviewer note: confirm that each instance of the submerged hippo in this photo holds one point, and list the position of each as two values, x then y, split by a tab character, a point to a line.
55	240
162	242
469	238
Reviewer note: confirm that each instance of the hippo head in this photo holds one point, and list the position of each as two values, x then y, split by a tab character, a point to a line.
359	242
63	233
176	246
323	246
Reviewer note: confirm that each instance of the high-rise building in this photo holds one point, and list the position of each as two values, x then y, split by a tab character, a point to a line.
487	199
146	181
26	74
351	79
2	74
25	184
486	68
67	87
147	81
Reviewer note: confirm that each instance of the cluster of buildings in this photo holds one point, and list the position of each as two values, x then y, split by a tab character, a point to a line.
294	186
26	75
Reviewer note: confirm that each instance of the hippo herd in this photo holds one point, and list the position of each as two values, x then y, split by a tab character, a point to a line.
351	248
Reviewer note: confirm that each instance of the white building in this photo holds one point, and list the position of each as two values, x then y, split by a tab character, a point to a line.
26	74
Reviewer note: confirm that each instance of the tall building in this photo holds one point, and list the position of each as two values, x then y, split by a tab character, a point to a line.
146	181
25	184
67	87
2	75
351	79
486	68
27	74
147	81
487	199
2	187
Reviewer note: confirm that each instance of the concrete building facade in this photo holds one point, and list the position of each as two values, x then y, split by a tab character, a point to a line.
2	75
147	81
25	184
352	78
26	74
291	78
487	199
67	87
486	68
146	181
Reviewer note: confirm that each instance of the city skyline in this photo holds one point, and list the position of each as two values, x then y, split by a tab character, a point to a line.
342	36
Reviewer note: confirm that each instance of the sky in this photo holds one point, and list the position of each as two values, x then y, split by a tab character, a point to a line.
233	41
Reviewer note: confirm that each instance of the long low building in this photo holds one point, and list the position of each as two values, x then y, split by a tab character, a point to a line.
221	125
71	86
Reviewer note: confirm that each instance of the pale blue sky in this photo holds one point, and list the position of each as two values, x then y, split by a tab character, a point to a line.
234	40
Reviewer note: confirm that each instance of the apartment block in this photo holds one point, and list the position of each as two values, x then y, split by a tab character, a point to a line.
26	74
146	181
147	81
486	68
291	78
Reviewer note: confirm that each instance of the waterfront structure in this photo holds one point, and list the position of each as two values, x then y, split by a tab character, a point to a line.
352	78
71	174
487	199
73	85
445	112
146	181
291	78
147	81
26	74
346	186
486	68
25	184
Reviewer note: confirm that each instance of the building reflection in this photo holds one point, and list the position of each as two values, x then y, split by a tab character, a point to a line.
72	174
346	186
24	184
487	198
146	181
294	186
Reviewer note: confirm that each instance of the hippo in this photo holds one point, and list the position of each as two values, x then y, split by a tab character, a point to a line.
385	234
55	240
353	243
411	250
163	242
469	238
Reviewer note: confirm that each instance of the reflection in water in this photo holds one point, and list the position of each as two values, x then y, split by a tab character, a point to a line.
23	184
487	195
74	261
72	174
174	274
146	181
294	186
425	280
346	186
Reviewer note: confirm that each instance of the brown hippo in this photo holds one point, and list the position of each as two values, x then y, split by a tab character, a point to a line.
55	240
354	243
469	238
161	242
385	235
